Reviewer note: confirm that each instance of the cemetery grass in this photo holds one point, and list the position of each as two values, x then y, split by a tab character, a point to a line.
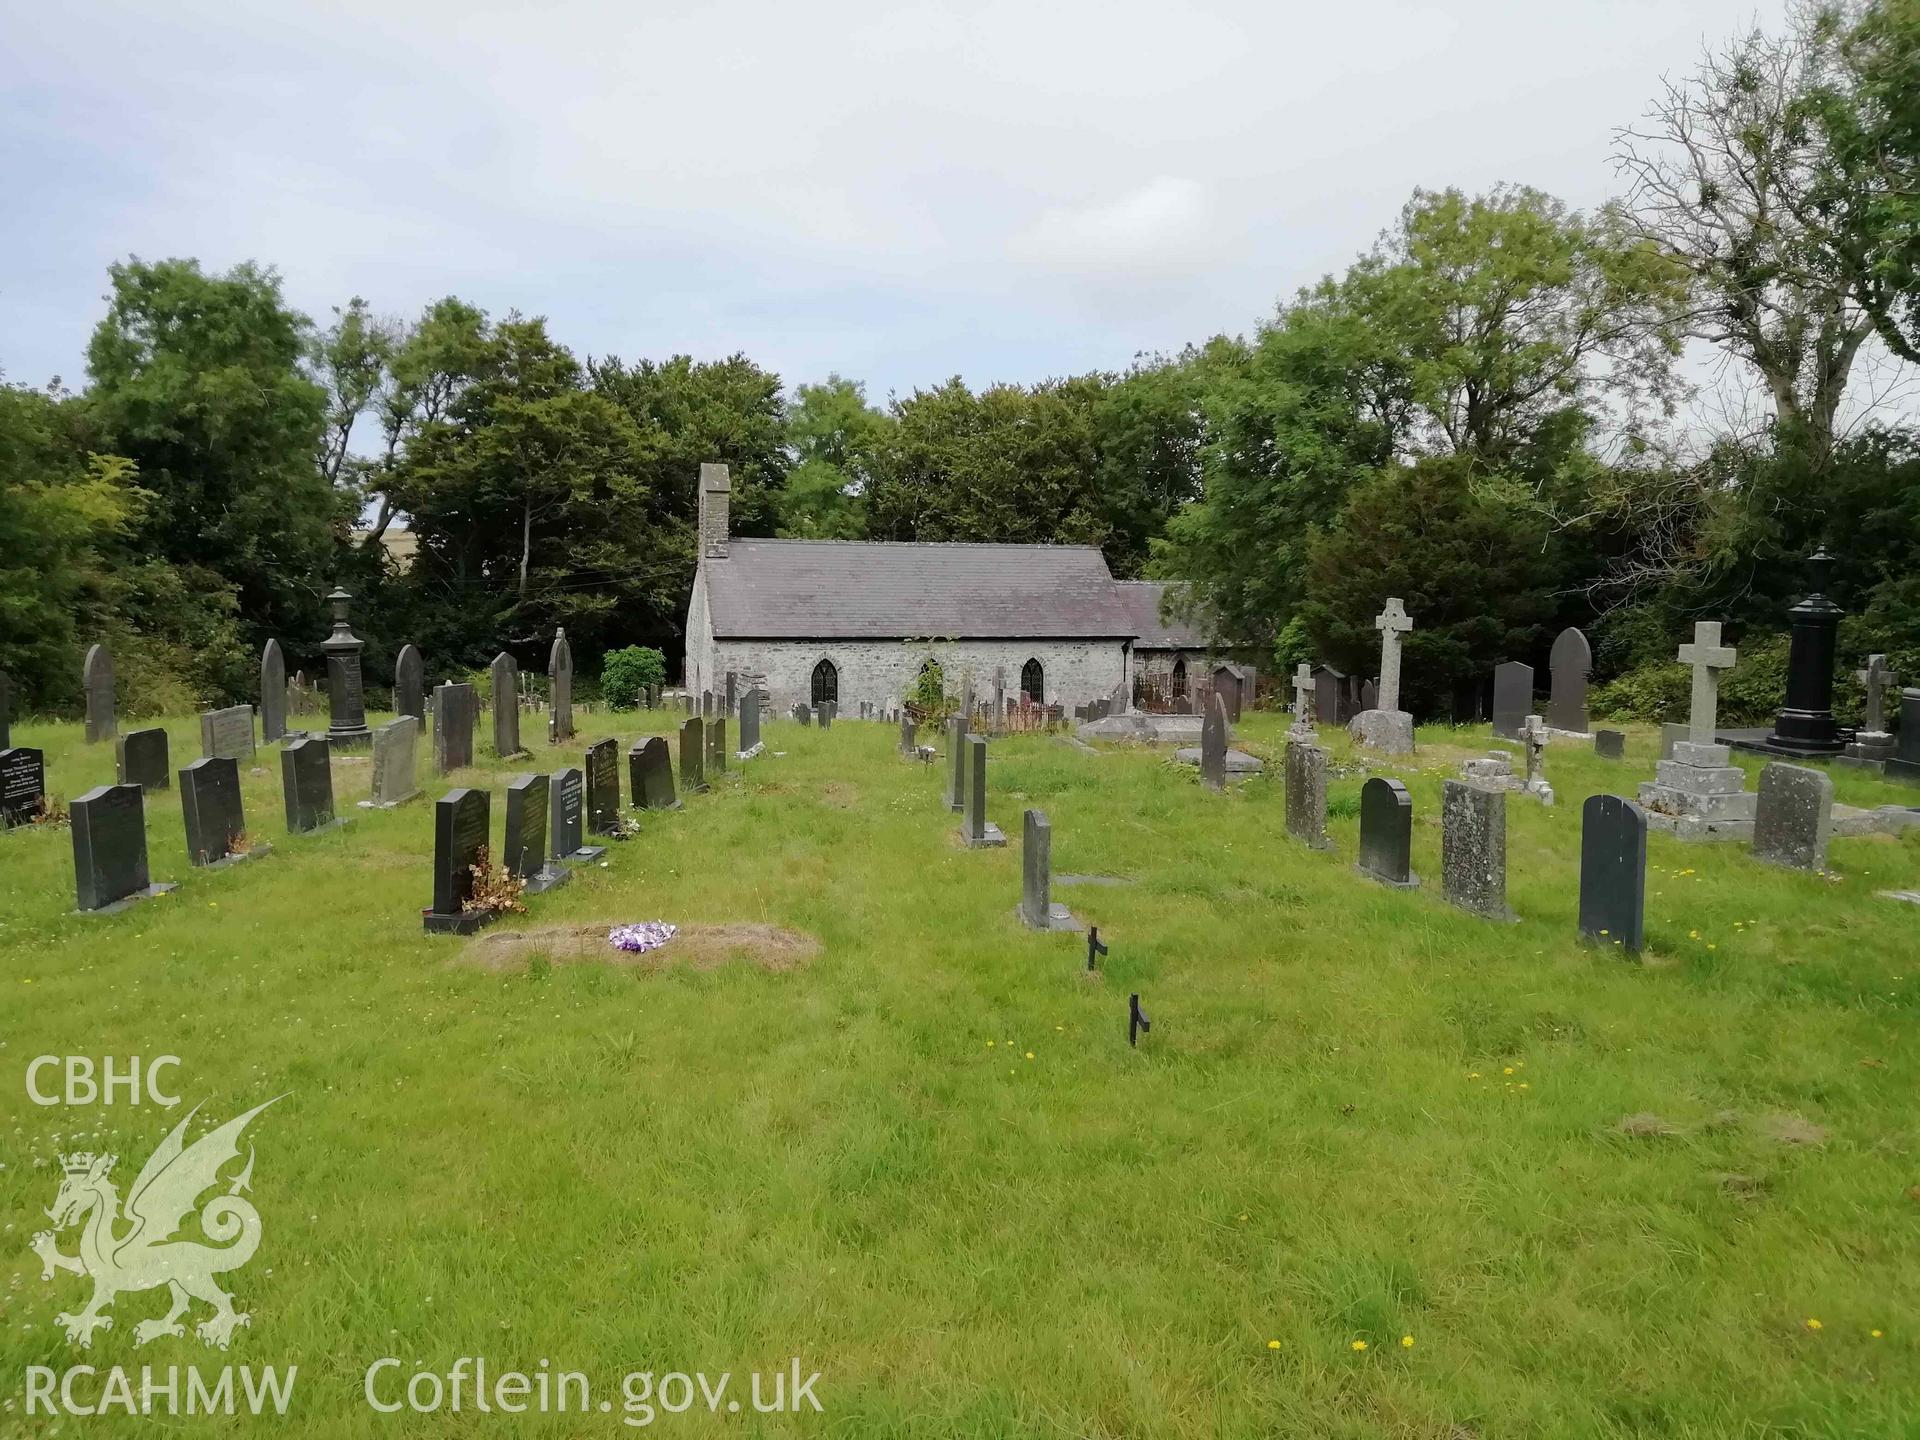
927	1163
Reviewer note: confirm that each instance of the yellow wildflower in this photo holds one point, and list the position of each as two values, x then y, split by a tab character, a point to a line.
1359	1345
1406	1342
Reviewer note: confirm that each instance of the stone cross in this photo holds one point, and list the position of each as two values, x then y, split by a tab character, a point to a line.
1303	696
1392	623
1878	679
1708	657
1534	734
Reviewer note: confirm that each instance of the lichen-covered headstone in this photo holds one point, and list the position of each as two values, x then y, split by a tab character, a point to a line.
504	681
1307	794
394	748
1213	744
227	734
1793	819
1473	848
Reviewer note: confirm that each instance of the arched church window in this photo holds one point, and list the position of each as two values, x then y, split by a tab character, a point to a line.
1033	683
826	684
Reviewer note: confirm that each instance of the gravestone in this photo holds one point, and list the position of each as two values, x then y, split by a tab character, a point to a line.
975	828
6	710
1613	872
1037	910
346	692
568	815
1304	694
706	704
1669	733
750	745
306	783
1307	794
110	850
210	805
999	695
1533	736
410	684
908	744
693	754
23	785
956	763
1383	725
1699	794
141	756
560	689
717	745
1386	833
650	772
1794	817
227	734
453	719
1473	848
1512	698
504	677
524	846
1873	742
273	694
96	676
1213	744
1904	765
393	764
1805	724
1369	697
1610	744
803	713
461	820
733	691
823	714
1568	665
1329	695
603	787
1226	684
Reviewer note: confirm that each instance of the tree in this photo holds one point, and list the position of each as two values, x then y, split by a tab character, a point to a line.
834	435
351	359
429	365
198	381
1151	427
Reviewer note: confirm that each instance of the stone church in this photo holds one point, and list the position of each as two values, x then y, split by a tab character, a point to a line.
853	621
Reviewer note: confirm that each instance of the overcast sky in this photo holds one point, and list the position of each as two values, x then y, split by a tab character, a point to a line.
897	192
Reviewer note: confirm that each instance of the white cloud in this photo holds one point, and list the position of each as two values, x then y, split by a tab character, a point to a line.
1167	224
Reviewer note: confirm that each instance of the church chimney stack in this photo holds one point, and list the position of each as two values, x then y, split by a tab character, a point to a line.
716	493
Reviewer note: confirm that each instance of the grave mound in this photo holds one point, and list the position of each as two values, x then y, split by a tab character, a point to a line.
698	947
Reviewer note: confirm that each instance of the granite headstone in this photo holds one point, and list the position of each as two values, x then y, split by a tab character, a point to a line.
461	820
1473	848
23	785
1386	833
1793	819
142	759
110	849
273	694
306	781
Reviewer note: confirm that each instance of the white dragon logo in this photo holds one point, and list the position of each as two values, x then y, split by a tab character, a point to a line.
147	1256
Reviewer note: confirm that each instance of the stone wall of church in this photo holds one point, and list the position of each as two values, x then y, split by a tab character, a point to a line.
882	672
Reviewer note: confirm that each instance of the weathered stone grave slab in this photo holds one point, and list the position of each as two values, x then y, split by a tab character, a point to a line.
1568	666
975	828
410	684
1794	817
141	758
650	764
461	820
1213	744
1512	698
1037	908
1473	849
1610	744
1613	872
717	745
560	689
504	681
306	783
523	848
273	694
956	764
96	677
1307	794
23	785
454	710
394	746
216	823
1386	833
227	734
110	850
693	755
750	743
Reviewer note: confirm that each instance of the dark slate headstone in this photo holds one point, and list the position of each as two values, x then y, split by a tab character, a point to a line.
394	747
1307	794
141	756
823	714
567	810
1386	833
733	692
1226	684
210	805
560	689
453	718
749	724
1037	909
803	713
603	787
706	704
23	785
1369	696
504	681
96	676
956	764
227	734
1213	744
6	710
693	755
1473	848
1512	698
1793	819
346	689
524	848
717	745
273	694
1610	744
110	849
908	743
1905	764
306	779
1329	696
1613	872
1568	665
975	828
410	684
461	820
650	765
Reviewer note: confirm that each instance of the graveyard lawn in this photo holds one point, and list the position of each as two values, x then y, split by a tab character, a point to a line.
1380	1168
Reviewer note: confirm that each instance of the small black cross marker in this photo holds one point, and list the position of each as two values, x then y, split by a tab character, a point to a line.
1096	947
1136	1019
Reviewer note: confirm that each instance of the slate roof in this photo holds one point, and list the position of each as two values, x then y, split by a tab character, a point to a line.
890	590
1142	601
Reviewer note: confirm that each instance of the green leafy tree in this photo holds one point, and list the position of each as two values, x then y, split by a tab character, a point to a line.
625	673
834	435
198	380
